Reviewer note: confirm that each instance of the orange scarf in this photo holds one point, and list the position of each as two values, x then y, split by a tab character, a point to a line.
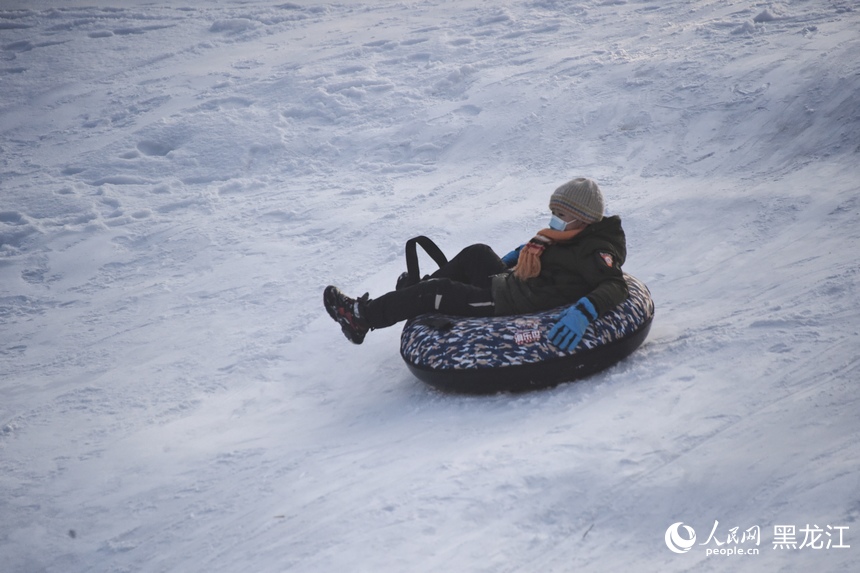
528	264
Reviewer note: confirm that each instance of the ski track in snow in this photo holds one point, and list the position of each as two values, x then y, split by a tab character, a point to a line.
180	181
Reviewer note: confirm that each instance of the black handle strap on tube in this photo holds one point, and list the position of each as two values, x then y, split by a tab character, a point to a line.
430	248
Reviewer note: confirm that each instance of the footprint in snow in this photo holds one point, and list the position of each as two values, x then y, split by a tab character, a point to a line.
233	102
153	148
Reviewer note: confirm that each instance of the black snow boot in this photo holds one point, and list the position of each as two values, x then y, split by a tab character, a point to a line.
347	312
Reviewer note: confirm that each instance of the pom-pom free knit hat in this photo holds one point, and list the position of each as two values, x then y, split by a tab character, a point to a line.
580	198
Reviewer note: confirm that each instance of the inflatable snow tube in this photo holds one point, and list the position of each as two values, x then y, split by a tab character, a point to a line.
513	354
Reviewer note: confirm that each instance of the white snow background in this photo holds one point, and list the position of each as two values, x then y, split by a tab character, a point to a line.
180	180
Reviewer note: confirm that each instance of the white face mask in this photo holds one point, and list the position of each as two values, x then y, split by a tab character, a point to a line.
556	223
559	224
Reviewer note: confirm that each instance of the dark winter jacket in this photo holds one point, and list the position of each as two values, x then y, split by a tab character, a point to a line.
588	265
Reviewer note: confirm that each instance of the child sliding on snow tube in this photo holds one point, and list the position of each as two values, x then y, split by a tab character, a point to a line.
576	262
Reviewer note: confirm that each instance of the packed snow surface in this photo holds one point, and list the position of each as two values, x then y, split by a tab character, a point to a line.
180	180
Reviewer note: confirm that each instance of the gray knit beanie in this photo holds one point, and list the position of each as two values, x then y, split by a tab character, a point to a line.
580	198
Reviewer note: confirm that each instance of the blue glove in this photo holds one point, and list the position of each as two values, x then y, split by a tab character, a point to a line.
511	258
572	324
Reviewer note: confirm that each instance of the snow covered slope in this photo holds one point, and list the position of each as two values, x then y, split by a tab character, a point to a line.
179	181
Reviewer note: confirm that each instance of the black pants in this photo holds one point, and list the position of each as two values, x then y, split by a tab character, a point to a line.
461	287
